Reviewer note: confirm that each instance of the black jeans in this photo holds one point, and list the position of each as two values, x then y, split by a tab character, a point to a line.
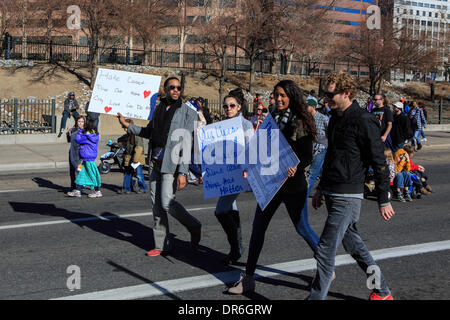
294	205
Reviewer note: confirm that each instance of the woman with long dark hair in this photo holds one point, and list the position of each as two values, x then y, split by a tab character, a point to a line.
299	129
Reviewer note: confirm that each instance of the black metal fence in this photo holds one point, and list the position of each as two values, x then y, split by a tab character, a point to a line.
40	51
27	116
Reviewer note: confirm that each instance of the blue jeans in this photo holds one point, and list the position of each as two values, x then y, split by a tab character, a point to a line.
422	133
65	116
403	179
226	203
315	170
416	138
128	179
343	214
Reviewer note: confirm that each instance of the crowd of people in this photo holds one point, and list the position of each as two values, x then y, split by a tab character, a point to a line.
346	147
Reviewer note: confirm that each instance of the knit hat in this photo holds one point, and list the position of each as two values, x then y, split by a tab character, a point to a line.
312	103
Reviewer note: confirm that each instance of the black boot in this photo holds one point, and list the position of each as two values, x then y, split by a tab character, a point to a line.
231	230
237	221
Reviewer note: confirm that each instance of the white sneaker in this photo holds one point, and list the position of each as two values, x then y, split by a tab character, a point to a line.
424	139
95	194
74	193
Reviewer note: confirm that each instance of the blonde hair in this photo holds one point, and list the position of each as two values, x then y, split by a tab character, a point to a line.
343	81
388	155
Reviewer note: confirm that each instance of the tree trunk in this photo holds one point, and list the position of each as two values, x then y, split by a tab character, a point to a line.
250	85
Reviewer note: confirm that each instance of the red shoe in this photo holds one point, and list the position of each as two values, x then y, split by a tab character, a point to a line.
153	253
375	296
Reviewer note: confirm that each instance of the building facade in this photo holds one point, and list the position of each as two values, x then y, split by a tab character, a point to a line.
429	19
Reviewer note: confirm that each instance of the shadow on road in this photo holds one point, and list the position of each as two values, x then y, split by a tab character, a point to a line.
44	183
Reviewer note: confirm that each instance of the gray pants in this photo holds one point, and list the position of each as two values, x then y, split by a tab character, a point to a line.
343	214
163	187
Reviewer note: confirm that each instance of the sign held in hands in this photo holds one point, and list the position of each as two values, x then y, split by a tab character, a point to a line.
132	94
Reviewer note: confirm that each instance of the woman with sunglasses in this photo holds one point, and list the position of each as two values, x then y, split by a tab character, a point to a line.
299	129
259	116
226	209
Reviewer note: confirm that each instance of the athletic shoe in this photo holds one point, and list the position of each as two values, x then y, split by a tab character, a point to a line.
153	253
95	194
419	147
429	188
407	197
245	284
375	296
424	191
398	196
60	134
74	193
424	139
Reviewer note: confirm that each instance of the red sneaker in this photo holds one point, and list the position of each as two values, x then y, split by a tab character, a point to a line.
375	296
153	253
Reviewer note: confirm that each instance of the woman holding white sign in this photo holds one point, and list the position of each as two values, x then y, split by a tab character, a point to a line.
299	129
226	209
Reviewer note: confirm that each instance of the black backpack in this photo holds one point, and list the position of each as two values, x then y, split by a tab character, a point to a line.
409	132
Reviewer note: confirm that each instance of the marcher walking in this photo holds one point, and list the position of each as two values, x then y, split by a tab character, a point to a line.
227	212
354	144
298	127
168	169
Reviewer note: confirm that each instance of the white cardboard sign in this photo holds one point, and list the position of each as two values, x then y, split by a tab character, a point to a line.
132	94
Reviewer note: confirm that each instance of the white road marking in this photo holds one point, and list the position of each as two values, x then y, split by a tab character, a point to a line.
124	216
194	283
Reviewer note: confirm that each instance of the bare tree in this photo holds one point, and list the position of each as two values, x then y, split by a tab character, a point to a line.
256	25
145	18
386	49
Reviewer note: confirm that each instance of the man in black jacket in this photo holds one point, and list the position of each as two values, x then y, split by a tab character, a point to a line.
401	128
354	144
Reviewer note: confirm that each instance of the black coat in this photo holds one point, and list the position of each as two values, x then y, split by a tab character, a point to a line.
354	144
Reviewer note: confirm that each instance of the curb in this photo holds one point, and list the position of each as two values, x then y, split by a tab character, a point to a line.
33	166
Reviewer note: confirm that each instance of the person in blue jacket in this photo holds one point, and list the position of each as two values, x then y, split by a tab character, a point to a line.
89	174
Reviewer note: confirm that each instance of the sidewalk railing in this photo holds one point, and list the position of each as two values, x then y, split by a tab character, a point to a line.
27	116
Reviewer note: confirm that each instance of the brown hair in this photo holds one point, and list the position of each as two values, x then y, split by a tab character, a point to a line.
344	82
408	149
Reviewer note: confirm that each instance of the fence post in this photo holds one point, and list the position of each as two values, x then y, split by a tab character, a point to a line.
162	58
440	112
51	51
16	105
195	60
53	116
127	55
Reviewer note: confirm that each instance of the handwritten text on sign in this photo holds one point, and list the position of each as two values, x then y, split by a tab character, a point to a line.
132	94
221	145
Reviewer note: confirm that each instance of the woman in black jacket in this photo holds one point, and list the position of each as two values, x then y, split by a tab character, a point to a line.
74	156
299	129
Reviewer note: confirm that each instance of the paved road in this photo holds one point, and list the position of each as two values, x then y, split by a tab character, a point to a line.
42	233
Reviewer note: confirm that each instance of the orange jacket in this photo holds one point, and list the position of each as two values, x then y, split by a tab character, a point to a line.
402	161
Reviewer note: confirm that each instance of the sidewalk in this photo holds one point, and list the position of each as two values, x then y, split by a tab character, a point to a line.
23	157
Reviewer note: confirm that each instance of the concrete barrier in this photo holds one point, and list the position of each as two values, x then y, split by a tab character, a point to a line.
437	127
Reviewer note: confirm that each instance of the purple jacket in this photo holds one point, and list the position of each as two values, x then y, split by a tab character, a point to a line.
88	145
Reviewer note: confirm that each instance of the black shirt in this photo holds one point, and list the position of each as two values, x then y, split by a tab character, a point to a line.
162	120
384	115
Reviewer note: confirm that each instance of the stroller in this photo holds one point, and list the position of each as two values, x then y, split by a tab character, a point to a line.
114	156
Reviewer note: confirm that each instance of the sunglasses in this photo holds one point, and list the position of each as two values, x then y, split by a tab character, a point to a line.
330	95
172	87
228	106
